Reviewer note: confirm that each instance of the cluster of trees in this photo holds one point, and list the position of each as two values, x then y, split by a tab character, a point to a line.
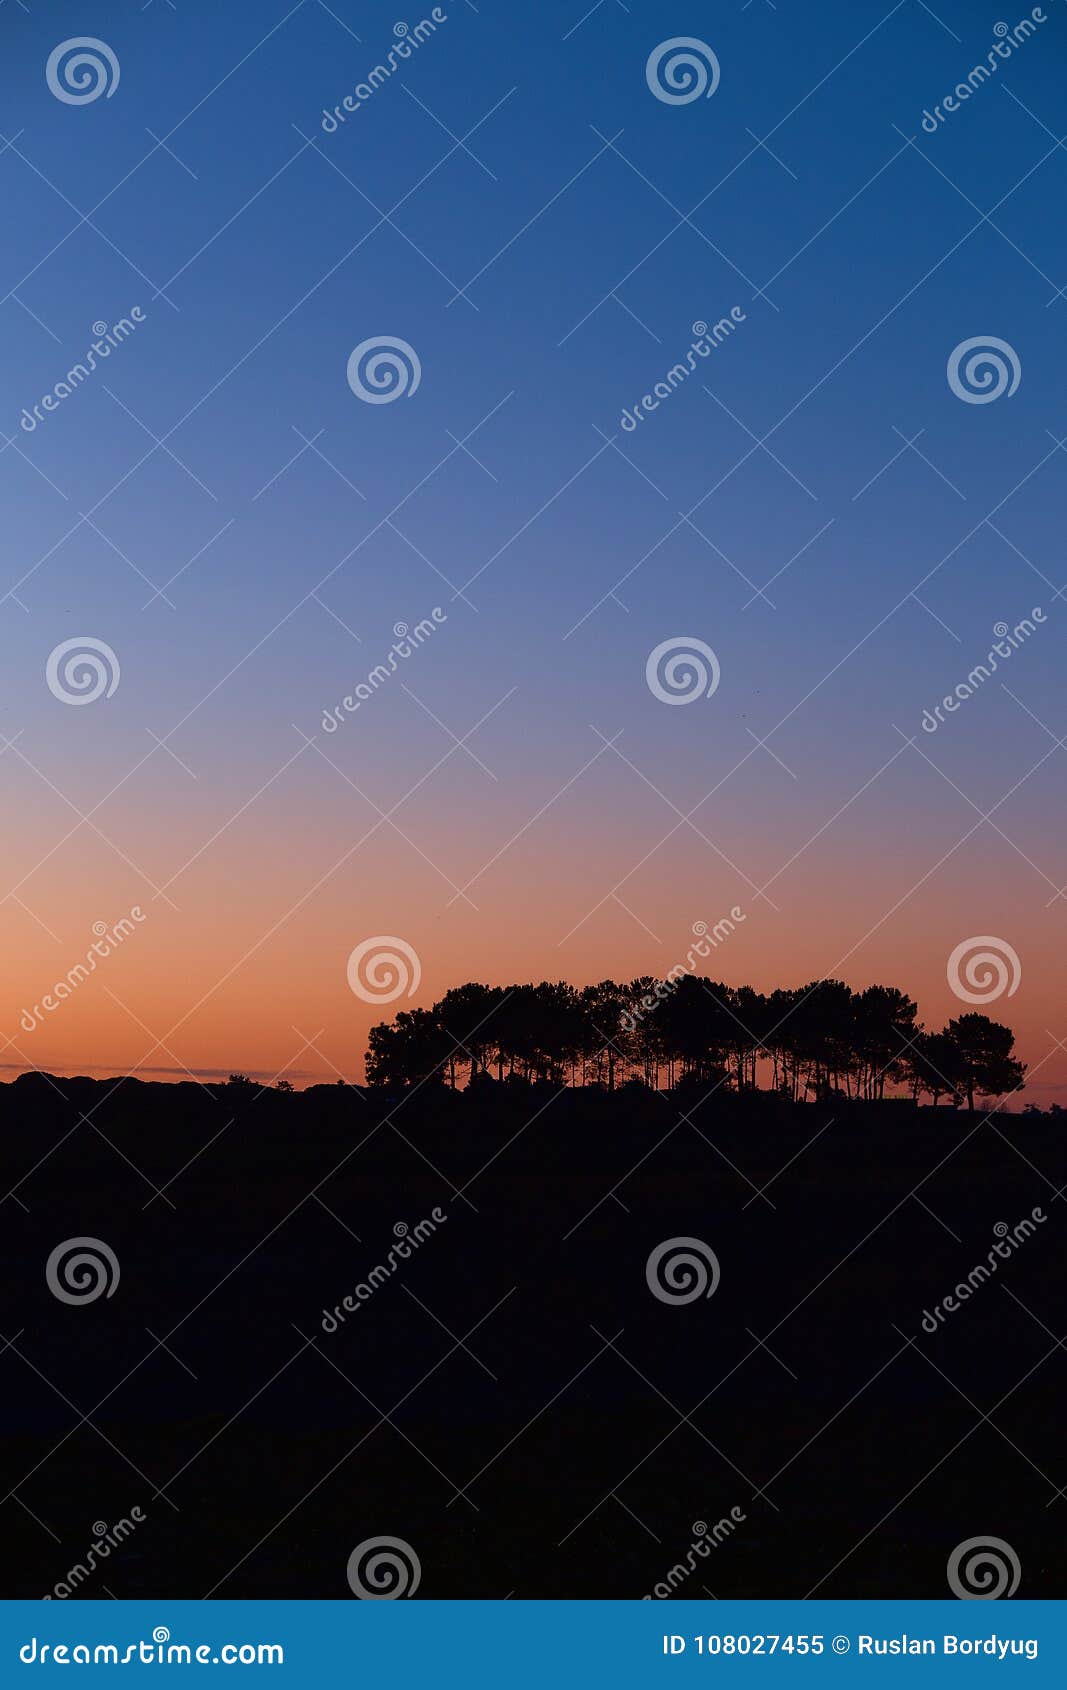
817	1041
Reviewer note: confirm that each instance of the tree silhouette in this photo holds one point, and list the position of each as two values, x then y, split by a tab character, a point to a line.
933	1065
985	1064
464	1013
414	1050
821	1041
603	1007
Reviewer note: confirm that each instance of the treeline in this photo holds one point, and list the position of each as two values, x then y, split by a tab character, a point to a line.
819	1041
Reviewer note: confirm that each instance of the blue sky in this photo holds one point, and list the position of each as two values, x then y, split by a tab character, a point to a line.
254	242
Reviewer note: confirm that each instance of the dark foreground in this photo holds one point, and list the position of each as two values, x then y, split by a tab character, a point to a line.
512	1400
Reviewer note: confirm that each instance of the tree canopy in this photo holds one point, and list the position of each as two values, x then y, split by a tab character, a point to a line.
822	1040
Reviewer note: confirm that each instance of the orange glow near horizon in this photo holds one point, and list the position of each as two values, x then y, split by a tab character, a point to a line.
249	972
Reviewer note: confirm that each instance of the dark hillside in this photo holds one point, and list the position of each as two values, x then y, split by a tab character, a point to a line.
511	1397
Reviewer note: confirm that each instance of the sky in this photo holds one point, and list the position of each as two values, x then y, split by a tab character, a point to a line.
815	502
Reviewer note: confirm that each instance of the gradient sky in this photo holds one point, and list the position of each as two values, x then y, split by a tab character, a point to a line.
860	262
